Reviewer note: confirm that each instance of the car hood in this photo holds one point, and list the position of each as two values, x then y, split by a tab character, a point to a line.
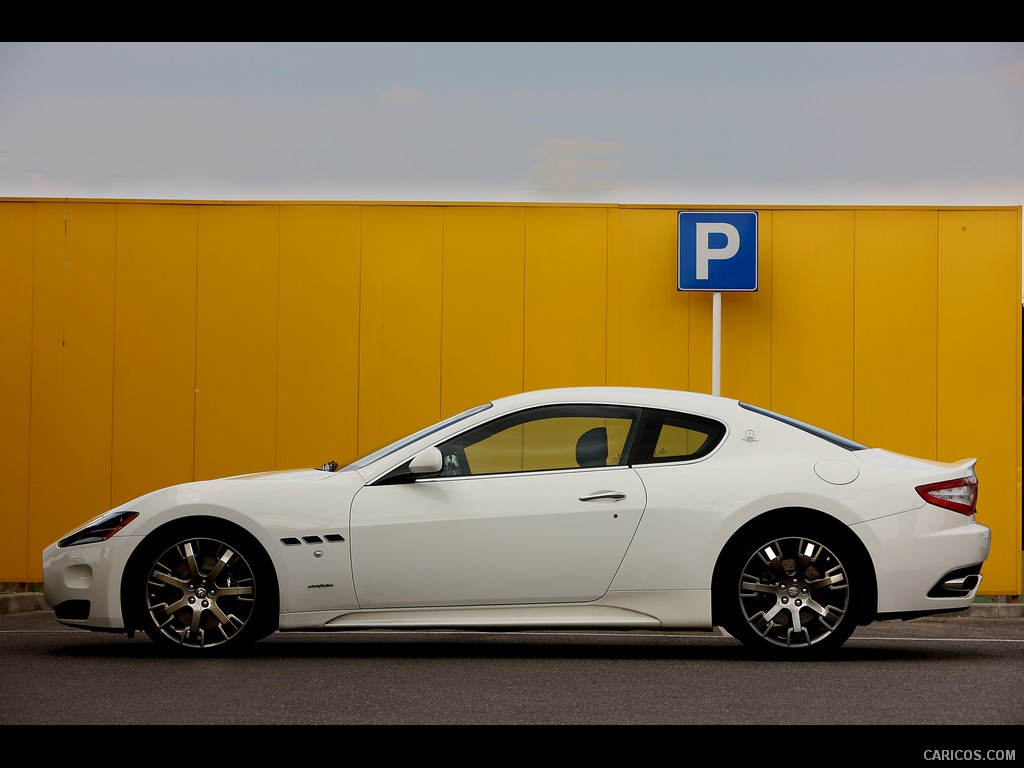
287	498
281	476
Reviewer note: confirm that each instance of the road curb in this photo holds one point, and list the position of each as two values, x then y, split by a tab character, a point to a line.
22	602
996	610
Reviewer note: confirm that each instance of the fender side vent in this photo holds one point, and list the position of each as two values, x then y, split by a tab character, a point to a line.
293	541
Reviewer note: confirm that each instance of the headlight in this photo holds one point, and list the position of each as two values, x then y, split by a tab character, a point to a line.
99	530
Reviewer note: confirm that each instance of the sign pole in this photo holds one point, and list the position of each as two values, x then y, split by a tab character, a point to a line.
716	344
717	252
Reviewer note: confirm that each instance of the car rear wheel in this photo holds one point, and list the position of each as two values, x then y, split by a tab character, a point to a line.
207	592
792	595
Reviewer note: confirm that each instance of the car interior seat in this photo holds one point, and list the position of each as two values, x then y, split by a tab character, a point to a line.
592	448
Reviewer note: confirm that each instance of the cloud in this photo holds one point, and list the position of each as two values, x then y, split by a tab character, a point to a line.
574	165
402	96
562	147
1013	73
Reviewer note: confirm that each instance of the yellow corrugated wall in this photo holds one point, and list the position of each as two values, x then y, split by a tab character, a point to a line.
151	343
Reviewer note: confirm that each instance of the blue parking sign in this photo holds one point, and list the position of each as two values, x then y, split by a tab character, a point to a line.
717	251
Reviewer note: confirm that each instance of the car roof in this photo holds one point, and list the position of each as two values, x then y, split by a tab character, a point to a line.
639	396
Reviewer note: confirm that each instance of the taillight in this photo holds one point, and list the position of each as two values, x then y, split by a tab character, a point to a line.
958	495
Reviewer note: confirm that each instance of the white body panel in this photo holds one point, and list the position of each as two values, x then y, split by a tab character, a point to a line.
523	538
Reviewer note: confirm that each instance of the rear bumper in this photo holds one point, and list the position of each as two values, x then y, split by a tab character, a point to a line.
927	561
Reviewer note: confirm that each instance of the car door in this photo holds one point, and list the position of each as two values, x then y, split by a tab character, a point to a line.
535	507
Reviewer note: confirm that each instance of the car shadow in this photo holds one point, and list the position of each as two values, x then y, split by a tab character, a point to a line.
507	646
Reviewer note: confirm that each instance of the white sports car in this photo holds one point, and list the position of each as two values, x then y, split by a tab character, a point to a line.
601	507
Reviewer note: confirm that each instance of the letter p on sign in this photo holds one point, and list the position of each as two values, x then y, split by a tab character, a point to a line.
717	251
704	250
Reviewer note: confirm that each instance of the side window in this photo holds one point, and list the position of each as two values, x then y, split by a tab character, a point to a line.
548	438
669	436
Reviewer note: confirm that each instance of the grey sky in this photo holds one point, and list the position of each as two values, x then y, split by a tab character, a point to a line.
652	123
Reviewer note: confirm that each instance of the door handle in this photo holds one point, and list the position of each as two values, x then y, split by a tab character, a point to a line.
612	495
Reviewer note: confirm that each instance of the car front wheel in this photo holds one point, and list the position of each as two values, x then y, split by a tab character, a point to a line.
791	595
206	593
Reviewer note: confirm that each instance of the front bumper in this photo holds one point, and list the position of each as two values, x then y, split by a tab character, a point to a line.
82	584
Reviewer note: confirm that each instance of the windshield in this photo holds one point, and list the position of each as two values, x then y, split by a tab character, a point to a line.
399	444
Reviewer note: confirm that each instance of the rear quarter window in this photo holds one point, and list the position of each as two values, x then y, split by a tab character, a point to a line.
666	436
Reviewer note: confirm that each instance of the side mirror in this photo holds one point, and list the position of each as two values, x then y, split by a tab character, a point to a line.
426	462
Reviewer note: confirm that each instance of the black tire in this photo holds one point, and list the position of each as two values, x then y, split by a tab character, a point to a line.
792	595
206	589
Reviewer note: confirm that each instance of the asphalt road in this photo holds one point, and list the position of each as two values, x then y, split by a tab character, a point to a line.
943	681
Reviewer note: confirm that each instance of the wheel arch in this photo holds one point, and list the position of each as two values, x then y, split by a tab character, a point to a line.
134	571
774	523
